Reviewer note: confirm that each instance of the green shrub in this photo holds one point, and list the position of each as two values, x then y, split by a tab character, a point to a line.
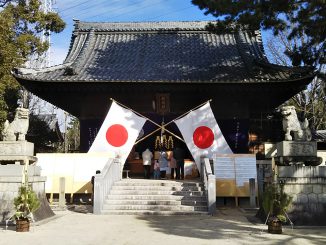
276	202
25	203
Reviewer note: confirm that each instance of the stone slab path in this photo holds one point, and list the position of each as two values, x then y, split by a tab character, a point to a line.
229	226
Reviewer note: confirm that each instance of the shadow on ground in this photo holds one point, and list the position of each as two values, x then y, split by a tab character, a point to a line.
80	208
205	227
229	224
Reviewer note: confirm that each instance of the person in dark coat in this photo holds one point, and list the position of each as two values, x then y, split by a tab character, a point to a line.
92	182
179	155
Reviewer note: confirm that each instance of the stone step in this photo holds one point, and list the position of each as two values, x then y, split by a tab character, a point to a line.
155	207
153	192
156	197
143	182
158	188
150	212
156	202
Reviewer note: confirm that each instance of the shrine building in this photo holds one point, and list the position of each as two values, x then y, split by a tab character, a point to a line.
164	69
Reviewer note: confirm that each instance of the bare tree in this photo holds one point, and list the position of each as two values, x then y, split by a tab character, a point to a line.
311	103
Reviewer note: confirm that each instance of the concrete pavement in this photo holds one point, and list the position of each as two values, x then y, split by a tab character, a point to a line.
229	226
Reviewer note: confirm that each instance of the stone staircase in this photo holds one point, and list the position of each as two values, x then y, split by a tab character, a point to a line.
157	197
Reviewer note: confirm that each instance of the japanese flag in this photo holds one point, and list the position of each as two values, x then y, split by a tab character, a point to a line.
118	132
202	134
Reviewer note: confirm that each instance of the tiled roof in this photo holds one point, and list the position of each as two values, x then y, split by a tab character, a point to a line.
319	135
162	52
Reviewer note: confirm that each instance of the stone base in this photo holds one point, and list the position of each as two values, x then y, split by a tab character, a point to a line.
9	190
308	214
17	170
295	160
307	186
16	148
296	149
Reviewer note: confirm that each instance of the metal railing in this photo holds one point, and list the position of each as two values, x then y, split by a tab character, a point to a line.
208	178
103	183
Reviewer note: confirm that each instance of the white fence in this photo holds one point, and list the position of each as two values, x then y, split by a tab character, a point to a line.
208	179
103	183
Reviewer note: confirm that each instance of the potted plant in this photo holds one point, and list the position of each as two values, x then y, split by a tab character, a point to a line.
25	204
275	204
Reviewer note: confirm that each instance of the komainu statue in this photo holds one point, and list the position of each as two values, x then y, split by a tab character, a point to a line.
291	123
17	129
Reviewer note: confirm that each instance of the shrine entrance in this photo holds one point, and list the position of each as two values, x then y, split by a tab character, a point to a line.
161	140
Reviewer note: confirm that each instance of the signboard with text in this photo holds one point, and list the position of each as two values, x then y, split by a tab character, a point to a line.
232	173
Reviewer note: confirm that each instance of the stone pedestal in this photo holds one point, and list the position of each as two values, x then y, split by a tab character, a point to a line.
296	148
16	148
9	186
297	152
17	151
13	175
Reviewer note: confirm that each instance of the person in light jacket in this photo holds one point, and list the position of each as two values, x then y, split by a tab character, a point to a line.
157	170
147	161
163	161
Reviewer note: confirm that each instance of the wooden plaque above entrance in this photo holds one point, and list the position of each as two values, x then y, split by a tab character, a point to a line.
162	103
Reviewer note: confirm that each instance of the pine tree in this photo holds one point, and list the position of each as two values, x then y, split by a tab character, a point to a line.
20	23
301	19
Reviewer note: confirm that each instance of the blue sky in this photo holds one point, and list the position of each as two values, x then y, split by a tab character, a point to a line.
117	11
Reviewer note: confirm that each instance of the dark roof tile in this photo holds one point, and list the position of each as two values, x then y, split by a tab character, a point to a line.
161	52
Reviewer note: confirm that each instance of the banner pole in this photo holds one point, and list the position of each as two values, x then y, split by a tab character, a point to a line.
166	123
158	125
145	137
189	111
139	114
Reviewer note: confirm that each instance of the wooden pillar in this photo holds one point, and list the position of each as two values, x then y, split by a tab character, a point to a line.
252	191
62	193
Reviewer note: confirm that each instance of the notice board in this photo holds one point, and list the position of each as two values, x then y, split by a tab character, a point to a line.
232	173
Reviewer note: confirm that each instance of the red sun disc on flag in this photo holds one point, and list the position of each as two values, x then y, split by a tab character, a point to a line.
203	137
117	135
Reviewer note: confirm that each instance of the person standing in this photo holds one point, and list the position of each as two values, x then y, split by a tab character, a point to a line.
157	170
179	155
163	161
93	185
147	161
172	164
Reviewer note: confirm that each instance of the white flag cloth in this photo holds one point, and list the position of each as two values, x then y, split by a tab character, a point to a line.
202	134
118	132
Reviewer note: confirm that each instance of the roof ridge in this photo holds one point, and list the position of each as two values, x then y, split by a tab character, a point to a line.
84	51
141	26
34	71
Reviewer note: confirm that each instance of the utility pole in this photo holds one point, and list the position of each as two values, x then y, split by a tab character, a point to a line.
66	138
43	60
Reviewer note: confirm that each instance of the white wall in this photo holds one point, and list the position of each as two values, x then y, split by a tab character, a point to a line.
322	154
77	168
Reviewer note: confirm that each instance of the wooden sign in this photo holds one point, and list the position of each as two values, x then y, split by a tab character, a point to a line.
162	103
232	173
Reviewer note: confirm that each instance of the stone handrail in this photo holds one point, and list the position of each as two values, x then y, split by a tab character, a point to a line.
103	183
208	178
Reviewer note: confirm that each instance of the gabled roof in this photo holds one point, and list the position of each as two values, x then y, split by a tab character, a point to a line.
162	52
319	135
52	123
